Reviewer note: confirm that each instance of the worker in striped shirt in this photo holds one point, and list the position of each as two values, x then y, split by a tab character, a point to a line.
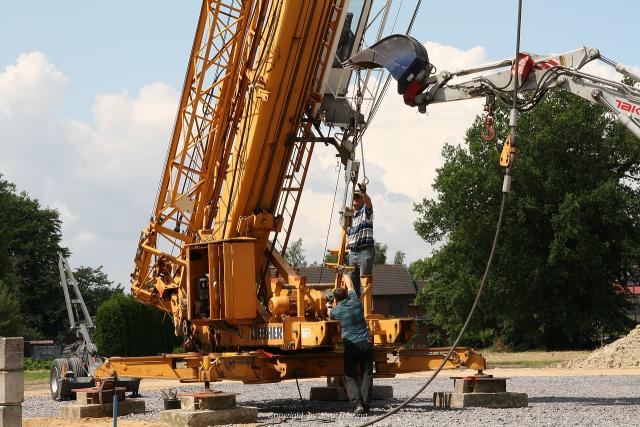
360	237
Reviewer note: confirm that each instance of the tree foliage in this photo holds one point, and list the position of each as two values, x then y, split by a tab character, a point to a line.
95	287
29	242
10	318
125	327
381	253
571	228
295	254
399	257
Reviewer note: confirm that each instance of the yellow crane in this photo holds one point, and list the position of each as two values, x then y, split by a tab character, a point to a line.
212	255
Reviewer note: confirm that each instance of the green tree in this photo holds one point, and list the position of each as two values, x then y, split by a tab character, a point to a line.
125	327
570	228
10	318
28	260
295	254
381	253
95	287
399	257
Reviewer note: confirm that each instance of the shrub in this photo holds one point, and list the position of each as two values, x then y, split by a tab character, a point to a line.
125	327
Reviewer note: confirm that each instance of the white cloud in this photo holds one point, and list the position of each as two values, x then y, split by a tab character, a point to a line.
101	176
402	152
30	87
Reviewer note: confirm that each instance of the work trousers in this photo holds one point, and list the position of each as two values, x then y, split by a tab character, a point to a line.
362	260
358	359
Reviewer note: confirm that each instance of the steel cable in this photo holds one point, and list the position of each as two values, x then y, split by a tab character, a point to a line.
489	261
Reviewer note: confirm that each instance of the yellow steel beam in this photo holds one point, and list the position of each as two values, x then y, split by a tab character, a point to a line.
262	366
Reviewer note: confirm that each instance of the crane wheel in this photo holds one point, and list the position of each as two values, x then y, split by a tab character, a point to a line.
76	365
57	376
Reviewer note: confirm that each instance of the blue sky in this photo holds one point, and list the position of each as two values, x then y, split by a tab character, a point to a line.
97	87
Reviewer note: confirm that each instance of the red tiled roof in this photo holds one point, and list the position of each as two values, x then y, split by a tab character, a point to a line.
388	279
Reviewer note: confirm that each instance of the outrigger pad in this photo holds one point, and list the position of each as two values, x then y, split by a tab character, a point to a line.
403	56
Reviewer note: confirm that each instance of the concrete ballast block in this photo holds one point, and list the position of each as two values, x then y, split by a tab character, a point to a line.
216	401
481	400
88	397
184	418
129	406
11	416
11	387
11	354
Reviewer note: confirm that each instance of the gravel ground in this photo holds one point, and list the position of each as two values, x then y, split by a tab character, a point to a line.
553	401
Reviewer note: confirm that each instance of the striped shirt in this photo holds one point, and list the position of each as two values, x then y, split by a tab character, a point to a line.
361	231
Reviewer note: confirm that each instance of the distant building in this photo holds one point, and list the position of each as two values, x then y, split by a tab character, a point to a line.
42	349
632	290
393	288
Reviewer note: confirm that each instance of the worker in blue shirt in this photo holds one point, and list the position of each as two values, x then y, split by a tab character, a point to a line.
358	349
360	237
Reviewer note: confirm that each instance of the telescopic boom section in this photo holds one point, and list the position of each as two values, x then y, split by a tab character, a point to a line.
225	47
255	69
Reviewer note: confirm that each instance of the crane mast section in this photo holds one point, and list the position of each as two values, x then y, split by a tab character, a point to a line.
224	47
255	70
274	112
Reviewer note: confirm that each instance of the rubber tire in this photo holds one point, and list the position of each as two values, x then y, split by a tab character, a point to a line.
56	377
76	365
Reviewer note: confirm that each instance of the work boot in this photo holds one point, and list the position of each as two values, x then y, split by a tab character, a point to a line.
359	409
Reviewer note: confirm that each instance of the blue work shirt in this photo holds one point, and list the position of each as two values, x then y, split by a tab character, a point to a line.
350	313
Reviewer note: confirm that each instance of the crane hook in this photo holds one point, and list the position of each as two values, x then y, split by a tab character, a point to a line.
489	132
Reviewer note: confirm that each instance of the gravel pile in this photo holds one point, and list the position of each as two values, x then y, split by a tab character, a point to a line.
553	401
623	353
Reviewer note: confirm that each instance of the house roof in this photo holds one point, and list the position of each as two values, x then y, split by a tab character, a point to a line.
388	279
420	284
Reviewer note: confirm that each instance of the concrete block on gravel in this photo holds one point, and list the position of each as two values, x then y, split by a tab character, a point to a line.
11	354
480	400
183	418
11	387
11	416
217	401
125	407
380	392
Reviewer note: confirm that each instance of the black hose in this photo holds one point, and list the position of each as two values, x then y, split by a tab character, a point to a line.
464	327
483	281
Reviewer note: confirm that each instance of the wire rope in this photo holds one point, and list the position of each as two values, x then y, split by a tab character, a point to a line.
487	267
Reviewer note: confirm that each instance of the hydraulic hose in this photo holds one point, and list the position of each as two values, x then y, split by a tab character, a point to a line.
464	327
505	191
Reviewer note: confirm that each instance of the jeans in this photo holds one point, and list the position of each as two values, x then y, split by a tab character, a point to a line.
358	357
362	259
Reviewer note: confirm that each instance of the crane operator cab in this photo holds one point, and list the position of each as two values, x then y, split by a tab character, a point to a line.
337	109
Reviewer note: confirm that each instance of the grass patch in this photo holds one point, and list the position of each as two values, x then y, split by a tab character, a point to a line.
524	363
36	375
529	359
31	364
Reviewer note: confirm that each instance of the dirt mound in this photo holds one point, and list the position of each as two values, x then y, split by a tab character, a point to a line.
623	353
